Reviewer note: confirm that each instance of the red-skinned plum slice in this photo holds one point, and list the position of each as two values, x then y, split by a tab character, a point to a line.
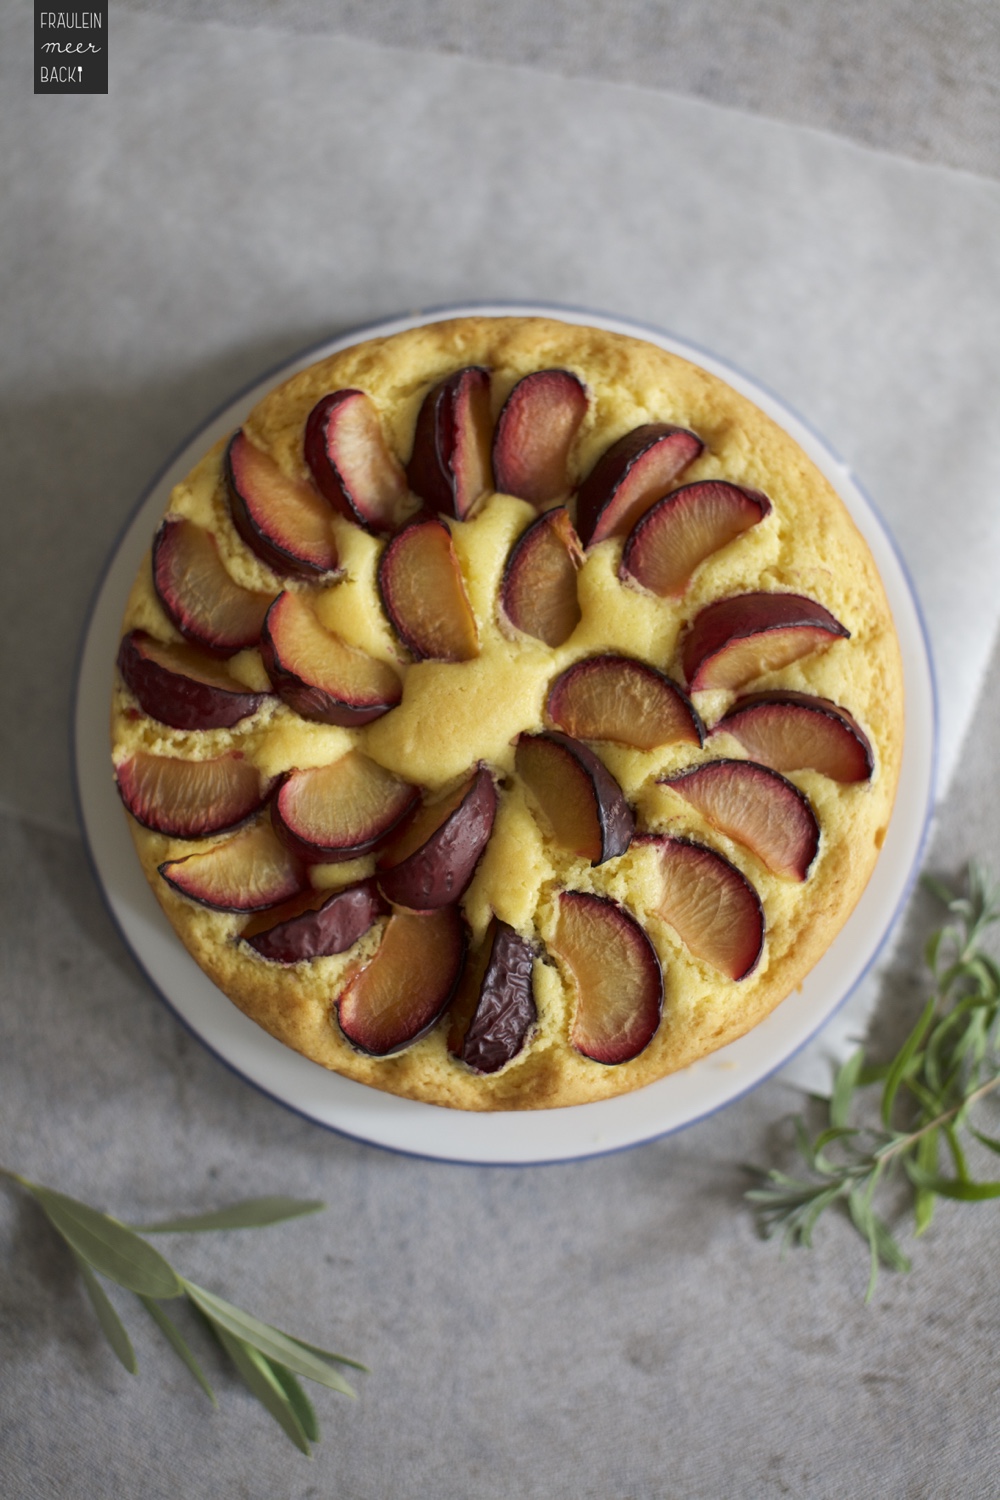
495	1012
316	924
450	467
680	531
622	699
423	594
282	520
190	799
249	872
756	807
711	905
201	599
538	592
617	976
632	475
333	813
320	675
434	859
735	640
534	434
182	687
352	464
397	997
578	796
791	731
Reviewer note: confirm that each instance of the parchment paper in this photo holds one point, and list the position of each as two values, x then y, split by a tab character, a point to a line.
240	194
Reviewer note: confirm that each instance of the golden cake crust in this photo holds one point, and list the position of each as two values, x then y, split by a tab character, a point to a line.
454	715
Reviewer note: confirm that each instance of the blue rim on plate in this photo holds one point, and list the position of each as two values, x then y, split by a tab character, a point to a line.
494	1138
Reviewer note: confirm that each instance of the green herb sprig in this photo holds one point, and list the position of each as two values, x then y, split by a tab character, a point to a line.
270	1363
948	1064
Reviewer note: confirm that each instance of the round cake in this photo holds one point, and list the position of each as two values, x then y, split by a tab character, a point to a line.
508	715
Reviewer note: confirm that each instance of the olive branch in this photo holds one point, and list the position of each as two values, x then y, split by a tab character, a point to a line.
270	1363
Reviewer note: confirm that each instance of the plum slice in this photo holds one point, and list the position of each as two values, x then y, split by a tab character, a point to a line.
534	433
433	860
756	807
421	586
617	976
577	795
181	686
449	467
632	475
316	924
625	700
318	674
735	640
711	905
283	521
496	1012
249	872
202	600
332	813
397	997
797	732
676	534
538	592
190	799
352	464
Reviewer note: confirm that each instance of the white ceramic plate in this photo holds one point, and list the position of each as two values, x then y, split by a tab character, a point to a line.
424	1129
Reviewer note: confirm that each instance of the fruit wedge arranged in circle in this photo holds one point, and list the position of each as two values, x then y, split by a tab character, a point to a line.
202	600
617	976
332	813
352	464
450	467
495	1012
632	475
577	795
190	799
756	807
433	860
534	434
538	592
798	732
711	905
320	675
396	998
316	924
282	520
249	872
422	591
622	699
680	531
183	687
735	640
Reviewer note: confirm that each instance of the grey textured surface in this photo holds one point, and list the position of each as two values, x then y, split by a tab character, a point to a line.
608	1329
921	77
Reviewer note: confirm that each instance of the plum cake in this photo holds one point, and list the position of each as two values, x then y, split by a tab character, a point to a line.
508	714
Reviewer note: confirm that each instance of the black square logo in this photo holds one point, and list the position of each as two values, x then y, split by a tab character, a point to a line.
71	50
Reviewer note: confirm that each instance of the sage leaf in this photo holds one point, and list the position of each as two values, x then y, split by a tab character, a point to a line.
109	1246
178	1343
270	1342
111	1324
252	1213
260	1380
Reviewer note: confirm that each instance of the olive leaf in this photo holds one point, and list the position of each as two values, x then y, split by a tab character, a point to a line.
252	1213
948	1064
